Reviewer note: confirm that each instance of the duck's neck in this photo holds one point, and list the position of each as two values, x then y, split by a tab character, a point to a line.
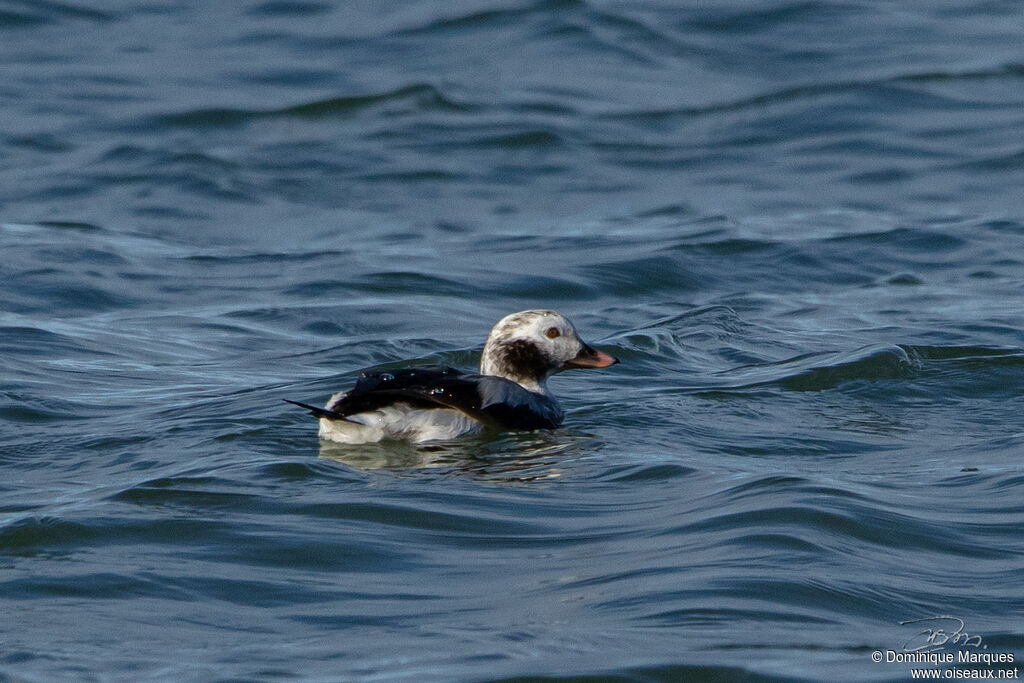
534	384
518	360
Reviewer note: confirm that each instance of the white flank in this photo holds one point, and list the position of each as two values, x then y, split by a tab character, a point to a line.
399	421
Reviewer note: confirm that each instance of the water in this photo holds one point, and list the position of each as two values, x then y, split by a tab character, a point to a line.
799	225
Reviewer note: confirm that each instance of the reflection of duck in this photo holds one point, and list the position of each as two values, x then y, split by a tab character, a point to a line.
422	404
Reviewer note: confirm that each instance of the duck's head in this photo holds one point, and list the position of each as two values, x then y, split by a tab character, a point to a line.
530	346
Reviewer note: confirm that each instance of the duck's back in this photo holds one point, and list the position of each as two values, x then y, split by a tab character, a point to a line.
429	403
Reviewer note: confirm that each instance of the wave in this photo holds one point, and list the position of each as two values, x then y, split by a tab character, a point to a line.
482	19
686	352
822	371
946	370
42	12
891	86
418	97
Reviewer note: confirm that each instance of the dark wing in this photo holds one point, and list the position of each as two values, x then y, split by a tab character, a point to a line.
492	400
427	387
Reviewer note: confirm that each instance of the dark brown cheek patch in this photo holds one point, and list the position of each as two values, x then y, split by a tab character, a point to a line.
524	359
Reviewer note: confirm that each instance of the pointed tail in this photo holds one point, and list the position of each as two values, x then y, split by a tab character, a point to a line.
319	412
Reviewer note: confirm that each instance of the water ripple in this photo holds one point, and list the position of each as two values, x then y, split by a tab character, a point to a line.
408	99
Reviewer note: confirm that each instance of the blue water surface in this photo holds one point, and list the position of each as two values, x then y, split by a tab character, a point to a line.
799	225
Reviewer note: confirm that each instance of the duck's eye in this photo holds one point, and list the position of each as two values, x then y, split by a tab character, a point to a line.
553	333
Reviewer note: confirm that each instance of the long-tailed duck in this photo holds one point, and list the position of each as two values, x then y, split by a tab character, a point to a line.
423	404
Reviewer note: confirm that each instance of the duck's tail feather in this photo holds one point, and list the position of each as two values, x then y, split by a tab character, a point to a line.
319	412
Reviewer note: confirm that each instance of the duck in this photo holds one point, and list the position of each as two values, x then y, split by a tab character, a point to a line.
431	403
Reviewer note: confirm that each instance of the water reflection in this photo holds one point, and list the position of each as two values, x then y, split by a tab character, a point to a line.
524	457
